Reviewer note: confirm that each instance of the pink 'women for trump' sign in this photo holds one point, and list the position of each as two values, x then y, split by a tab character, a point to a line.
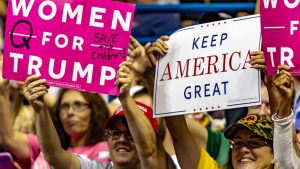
74	44
280	34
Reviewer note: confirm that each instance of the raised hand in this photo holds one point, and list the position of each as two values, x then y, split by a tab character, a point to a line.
284	82
285	86
158	49
257	60
34	90
138	56
124	78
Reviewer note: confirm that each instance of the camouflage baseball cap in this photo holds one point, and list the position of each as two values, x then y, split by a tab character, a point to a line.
258	124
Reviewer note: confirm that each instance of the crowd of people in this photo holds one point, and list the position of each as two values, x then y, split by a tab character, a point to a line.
81	130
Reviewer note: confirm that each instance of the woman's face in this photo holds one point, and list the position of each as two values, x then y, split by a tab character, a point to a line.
75	114
245	157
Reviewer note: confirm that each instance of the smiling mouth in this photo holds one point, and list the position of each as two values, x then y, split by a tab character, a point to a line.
122	150
245	160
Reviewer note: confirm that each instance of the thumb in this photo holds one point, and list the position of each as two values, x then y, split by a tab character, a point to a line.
147	46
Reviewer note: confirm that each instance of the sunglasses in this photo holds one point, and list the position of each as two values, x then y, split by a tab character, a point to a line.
250	143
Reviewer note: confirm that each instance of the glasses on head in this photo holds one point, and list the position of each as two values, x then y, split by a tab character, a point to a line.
250	143
116	134
76	106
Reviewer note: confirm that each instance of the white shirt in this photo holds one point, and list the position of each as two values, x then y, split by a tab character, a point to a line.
284	152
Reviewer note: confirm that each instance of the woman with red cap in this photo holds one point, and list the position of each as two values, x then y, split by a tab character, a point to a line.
133	141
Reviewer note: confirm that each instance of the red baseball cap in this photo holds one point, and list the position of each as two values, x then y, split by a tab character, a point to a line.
119	113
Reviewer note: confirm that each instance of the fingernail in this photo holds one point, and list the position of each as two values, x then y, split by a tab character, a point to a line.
277	73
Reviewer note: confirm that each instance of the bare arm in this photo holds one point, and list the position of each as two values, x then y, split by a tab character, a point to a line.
186	148
139	126
198	131
51	148
14	142
3	8
257	7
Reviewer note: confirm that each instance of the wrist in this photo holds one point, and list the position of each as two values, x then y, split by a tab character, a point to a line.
284	112
281	116
149	75
123	96
149	72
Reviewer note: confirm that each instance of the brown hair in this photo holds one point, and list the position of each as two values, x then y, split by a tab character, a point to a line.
99	115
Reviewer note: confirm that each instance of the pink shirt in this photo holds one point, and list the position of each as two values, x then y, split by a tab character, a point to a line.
98	152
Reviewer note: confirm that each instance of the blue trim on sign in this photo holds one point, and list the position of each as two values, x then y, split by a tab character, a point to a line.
156	84
236	20
241	104
260	41
185	29
180	111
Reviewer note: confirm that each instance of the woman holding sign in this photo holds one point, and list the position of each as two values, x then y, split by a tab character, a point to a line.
132	133
79	119
251	137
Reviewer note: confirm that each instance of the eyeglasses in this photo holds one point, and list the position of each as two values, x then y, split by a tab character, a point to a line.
251	143
116	134
76	106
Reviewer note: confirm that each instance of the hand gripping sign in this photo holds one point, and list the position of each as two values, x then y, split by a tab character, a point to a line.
74	44
206	68
280	25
